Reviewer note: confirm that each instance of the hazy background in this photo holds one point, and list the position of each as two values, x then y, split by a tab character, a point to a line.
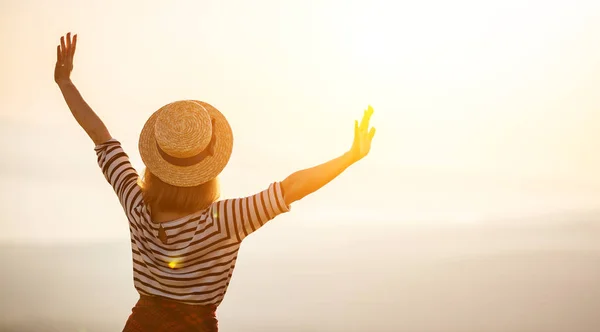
477	210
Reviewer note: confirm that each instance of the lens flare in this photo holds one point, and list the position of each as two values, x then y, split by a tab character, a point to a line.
174	263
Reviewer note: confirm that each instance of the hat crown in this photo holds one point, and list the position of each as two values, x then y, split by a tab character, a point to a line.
183	129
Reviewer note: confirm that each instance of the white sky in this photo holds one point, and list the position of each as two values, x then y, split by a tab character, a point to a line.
483	108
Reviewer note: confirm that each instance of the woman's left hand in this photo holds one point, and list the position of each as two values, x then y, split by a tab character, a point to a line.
64	59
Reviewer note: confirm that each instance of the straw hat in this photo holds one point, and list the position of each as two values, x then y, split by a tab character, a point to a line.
186	143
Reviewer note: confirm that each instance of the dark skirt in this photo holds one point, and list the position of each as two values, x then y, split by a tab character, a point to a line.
156	314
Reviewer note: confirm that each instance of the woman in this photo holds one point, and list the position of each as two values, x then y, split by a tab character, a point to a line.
184	240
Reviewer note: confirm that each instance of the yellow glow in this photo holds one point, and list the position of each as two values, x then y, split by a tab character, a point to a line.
466	92
173	264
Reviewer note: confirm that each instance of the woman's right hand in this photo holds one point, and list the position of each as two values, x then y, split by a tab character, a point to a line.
64	59
304	182
362	137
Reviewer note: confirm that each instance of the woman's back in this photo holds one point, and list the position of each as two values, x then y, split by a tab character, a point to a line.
159	217
192	262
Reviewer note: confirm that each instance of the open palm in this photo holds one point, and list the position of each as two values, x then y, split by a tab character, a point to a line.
64	59
362	136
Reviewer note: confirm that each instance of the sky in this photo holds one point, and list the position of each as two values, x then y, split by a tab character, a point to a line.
484	109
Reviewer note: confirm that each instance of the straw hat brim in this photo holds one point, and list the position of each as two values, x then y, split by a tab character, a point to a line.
188	176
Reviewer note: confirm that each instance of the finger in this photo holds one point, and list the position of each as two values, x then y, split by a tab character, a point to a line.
366	119
68	43
74	46
372	133
361	127
368	113
355	128
63	48
58	55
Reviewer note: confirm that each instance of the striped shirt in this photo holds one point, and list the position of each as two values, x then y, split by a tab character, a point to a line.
196	263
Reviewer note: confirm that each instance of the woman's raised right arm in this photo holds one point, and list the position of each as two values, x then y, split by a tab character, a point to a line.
305	182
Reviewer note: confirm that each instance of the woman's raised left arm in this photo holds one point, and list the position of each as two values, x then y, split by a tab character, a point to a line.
83	113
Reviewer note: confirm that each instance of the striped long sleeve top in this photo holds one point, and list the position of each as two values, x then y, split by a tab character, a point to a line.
196	263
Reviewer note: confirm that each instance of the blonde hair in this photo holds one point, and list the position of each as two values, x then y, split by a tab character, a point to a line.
161	196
